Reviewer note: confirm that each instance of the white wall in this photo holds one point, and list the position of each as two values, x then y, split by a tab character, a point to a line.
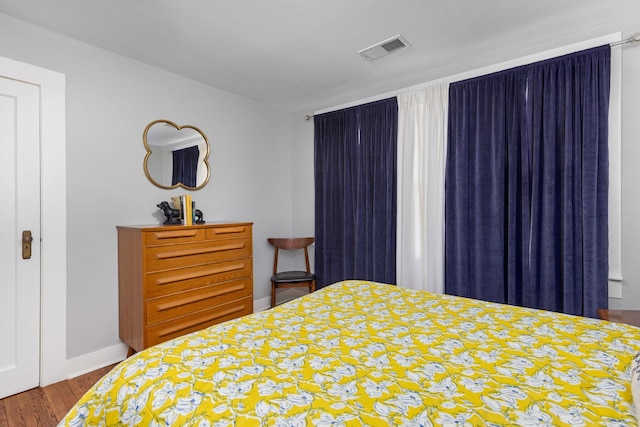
110	99
303	154
303	182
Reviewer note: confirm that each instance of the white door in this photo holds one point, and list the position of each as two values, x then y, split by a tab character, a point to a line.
20	206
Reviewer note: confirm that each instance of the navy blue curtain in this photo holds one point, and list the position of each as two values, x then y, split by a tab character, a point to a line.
526	199
355	193
185	166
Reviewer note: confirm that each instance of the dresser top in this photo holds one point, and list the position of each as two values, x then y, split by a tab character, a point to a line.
155	227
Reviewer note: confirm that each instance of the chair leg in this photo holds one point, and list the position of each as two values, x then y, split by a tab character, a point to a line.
312	286
273	294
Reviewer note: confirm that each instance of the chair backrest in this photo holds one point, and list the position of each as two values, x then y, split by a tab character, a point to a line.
291	244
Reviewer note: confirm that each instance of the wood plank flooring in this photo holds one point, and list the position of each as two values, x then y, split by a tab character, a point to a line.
46	406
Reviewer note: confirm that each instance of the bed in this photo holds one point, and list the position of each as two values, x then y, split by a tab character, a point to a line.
361	353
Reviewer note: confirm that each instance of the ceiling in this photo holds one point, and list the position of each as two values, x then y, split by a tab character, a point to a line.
298	54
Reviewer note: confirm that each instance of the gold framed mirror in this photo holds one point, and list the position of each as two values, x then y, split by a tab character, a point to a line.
177	156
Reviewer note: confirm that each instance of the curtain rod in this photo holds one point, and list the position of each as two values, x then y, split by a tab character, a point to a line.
633	38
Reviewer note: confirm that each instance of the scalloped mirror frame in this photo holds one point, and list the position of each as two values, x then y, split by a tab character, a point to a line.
149	152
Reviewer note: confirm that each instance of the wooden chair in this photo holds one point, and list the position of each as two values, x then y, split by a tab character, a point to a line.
291	279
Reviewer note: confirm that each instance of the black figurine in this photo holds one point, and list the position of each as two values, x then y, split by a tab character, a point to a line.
199	217
173	215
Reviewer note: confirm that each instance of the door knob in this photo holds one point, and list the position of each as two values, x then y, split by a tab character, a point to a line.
26	244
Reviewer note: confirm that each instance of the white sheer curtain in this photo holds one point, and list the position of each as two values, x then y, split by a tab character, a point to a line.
422	149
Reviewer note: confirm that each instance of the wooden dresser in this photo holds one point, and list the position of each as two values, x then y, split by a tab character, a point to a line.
173	280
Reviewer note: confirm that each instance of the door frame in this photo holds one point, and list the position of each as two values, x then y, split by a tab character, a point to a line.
53	215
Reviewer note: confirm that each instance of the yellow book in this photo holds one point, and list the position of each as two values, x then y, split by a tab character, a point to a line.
188	212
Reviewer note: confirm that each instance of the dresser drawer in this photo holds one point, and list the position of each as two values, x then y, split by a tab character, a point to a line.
199	320
189	254
173	235
228	232
170	281
183	303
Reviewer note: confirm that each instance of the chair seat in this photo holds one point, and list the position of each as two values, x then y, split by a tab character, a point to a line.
292	277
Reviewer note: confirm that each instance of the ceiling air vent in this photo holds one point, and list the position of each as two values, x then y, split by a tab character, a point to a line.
384	48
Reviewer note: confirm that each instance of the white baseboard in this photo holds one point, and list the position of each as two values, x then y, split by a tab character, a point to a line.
283	296
96	360
615	288
261	304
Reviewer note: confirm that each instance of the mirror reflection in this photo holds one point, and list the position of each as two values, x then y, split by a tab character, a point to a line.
177	156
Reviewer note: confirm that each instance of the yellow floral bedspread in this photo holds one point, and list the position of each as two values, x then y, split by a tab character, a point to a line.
361	353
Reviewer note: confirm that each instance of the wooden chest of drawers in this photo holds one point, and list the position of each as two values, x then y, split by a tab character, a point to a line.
173	280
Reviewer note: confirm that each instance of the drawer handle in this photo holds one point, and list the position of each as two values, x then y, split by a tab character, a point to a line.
170	330
200	297
198	251
174	234
229	230
200	273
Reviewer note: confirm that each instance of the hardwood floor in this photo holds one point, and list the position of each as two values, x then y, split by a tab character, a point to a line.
46	406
